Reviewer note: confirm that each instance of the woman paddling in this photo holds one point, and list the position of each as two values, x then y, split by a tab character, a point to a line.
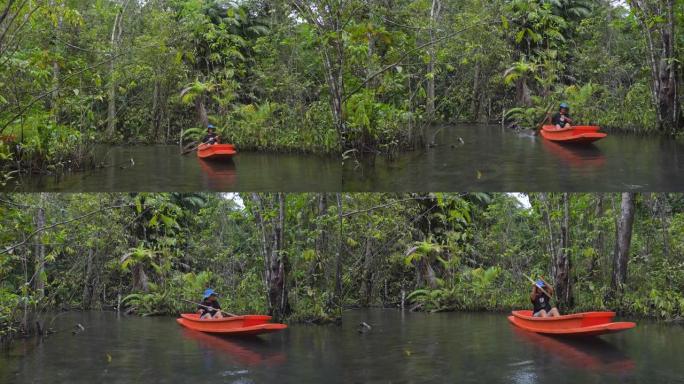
211	137
541	300
210	307
562	119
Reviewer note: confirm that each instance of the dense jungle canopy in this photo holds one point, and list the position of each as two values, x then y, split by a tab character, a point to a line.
306	257
344	76
615	62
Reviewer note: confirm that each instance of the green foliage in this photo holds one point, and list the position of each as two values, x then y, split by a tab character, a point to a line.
9	301
194	134
380	125
169	62
447	251
470	289
526	117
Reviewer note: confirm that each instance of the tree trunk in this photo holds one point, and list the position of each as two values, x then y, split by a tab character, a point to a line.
367	276
156	114
87	282
522	93
623	243
562	268
663	210
333	69
475	103
54	104
111	92
201	111
427	273
660	39
599	240
329	22
321	242
338	257
544	209
430	102
276	263
39	257
115	40
140	280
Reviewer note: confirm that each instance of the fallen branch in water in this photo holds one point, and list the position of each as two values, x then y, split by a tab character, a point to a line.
364	327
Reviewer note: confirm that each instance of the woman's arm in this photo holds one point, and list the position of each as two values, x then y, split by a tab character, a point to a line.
549	287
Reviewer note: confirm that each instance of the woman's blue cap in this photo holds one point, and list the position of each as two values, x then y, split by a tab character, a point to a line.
209	292
539	284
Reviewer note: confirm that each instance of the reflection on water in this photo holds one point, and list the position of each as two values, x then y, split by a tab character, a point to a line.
162	168
576	156
591	353
489	158
401	348
250	351
219	175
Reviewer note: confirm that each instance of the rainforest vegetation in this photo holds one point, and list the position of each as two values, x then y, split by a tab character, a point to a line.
306	257
344	76
77	73
510	61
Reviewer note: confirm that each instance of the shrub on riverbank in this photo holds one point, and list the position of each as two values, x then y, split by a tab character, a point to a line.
47	148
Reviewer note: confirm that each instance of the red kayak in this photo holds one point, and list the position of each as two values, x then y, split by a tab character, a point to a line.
580	134
579	324
237	325
216	151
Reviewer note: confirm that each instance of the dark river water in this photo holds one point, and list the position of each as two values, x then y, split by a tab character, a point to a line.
162	168
490	158
401	348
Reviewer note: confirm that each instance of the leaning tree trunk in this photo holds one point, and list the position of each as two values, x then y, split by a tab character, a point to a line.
623	243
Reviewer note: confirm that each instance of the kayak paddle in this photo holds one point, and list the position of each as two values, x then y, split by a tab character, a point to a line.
212	308
194	146
546	117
